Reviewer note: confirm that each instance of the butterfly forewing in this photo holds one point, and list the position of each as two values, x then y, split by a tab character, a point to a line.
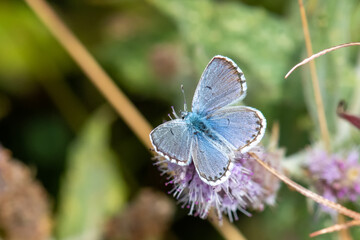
243	127
212	163
173	141
221	84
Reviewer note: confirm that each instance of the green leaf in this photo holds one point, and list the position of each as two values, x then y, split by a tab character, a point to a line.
133	52
27	49
260	43
93	188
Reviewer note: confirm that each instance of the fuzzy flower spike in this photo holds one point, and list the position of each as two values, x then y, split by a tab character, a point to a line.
249	186
205	151
335	176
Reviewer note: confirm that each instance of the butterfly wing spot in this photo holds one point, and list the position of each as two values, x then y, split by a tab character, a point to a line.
239	127
226	82
172	140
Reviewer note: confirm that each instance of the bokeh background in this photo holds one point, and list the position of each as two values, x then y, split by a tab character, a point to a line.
98	177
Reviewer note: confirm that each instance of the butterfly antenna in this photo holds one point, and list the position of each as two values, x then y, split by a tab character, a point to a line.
185	106
173	112
170	116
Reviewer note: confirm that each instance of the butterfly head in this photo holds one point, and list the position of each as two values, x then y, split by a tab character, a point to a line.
183	114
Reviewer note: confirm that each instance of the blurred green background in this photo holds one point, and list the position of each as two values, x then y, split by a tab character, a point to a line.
91	164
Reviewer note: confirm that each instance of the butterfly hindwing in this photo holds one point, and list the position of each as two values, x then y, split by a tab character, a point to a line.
211	160
173	141
221	84
243	127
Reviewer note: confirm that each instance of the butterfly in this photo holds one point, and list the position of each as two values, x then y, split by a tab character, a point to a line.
216	129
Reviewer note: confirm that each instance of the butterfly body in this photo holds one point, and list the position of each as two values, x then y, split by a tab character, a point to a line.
198	124
210	135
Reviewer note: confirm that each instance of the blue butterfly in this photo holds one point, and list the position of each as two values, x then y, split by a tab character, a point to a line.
216	128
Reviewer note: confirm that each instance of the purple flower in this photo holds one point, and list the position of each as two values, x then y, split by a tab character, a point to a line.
335	176
248	187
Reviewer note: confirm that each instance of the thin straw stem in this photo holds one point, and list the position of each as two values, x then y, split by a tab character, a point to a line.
307	193
344	233
92	69
316	55
228	231
337	227
315	82
129	113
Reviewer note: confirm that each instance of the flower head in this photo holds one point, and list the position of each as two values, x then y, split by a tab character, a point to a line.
335	176
248	187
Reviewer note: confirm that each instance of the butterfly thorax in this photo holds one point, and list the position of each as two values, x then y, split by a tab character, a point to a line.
199	125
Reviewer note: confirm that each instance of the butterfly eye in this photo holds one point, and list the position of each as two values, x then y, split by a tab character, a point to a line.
183	115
